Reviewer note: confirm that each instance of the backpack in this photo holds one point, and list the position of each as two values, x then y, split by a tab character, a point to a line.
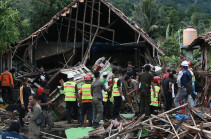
40	119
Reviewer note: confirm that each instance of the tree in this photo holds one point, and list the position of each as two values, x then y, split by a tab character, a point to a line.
43	10
125	6
146	14
9	33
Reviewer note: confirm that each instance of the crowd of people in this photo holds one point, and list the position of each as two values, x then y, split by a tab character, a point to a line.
105	97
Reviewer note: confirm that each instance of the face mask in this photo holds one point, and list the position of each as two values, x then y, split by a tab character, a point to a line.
181	56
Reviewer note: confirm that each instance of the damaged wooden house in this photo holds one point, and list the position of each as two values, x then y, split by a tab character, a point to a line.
82	32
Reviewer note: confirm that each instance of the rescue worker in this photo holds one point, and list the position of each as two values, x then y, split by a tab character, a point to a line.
86	99
133	88
182	58
167	88
44	102
25	92
108	102
104	80
184	81
147	82
131	72
12	132
155	99
42	78
117	94
96	90
6	86
35	112
71	95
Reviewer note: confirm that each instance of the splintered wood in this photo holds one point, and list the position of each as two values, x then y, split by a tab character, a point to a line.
163	125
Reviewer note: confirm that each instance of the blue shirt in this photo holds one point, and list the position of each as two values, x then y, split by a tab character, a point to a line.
11	135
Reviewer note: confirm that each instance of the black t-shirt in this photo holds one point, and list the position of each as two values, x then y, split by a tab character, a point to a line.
44	99
166	86
131	72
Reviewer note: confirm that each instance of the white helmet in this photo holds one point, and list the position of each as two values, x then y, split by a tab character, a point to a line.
184	63
70	75
105	73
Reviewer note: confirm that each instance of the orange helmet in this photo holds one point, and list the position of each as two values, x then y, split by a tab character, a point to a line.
190	63
87	78
157	79
109	82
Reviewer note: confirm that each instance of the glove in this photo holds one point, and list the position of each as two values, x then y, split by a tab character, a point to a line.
123	98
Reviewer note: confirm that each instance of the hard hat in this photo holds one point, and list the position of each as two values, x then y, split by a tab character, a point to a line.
88	74
101	65
184	63
190	63
105	73
157	79
109	81
87	78
70	75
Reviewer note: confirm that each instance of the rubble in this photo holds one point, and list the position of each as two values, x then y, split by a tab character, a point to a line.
162	125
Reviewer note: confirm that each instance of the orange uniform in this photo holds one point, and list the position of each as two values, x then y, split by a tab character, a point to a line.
6	78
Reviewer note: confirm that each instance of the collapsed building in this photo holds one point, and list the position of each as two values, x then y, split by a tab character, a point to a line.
84	31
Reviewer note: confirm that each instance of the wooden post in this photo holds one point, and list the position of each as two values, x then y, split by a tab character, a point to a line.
89	47
75	32
84	18
68	30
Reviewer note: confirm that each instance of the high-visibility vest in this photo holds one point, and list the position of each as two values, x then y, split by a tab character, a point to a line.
69	91
154	100
105	98
86	91
115	89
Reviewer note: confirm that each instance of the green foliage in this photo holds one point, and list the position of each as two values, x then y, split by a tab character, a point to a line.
42	11
125	6
9	33
172	61
146	15
171	46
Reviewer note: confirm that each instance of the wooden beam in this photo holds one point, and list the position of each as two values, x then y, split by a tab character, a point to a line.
68	29
89	47
84	18
91	21
88	24
75	32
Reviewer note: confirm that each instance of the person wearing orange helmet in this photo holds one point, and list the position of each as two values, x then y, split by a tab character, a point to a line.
155	96
86	99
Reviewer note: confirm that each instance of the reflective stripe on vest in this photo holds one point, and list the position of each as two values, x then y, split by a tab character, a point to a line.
69	91
86	91
115	91
154	100
105	97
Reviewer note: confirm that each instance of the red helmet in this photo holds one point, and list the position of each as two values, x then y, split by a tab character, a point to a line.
109	81
190	63
88	74
157	79
87	78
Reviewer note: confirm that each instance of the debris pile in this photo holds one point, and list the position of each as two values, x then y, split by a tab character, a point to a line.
164	125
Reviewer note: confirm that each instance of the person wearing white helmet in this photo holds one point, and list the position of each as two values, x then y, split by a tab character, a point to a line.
184	81
71	95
